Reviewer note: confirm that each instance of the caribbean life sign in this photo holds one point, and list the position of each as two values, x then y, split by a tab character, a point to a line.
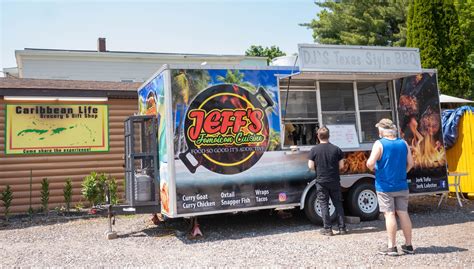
56	129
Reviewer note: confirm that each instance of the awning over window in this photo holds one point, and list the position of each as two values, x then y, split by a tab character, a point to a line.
443	98
347	76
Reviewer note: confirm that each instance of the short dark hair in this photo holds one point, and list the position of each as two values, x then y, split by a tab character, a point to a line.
323	133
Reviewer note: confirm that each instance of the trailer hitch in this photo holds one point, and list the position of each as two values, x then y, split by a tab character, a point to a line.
110	233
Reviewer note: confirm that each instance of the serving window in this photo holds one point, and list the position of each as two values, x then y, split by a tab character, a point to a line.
337	103
308	104
299	112
375	103
300	105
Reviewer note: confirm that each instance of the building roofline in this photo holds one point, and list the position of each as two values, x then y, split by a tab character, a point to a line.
53	84
94	53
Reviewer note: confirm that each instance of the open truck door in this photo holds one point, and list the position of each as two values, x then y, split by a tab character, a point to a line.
142	178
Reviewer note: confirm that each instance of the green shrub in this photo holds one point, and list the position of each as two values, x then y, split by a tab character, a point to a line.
89	188
7	197
79	206
94	188
45	195
101	182
113	187
67	193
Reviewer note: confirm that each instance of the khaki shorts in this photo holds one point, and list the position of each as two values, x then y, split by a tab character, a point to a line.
393	201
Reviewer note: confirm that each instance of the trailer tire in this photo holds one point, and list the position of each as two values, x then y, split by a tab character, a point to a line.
312	209
362	201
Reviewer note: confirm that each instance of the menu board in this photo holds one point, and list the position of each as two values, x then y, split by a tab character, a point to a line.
343	135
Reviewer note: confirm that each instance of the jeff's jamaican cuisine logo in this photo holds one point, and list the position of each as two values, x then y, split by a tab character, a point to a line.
226	129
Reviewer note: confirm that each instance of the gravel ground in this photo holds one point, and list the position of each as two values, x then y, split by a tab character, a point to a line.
442	238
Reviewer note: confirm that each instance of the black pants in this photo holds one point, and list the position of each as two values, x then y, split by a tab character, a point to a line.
333	191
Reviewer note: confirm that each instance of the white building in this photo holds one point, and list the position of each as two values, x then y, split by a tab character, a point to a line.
103	65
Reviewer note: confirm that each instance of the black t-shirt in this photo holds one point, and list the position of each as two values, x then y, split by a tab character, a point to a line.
326	157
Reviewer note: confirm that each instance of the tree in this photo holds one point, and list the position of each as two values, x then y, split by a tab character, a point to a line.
350	22
465	9
237	78
269	52
433	27
186	84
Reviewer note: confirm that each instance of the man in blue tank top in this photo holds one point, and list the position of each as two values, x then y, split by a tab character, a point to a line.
391	158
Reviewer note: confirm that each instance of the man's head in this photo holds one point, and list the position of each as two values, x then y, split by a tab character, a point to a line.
323	133
386	128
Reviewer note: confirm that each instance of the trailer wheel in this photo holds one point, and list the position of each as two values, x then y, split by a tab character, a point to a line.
362	201
312	209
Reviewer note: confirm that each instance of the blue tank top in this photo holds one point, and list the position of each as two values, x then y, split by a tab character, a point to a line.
390	170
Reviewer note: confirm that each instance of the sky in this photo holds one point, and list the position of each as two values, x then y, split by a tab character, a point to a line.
180	26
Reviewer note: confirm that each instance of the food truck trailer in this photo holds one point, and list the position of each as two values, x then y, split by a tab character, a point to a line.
213	139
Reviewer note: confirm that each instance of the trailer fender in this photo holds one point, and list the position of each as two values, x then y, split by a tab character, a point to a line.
305	192
347	181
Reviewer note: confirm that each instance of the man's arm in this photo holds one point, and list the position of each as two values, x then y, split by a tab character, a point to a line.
311	157
311	165
341	159
374	155
410	162
341	164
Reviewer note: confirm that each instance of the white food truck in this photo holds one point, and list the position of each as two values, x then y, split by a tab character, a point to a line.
219	139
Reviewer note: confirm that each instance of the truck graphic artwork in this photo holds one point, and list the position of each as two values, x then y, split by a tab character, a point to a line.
226	129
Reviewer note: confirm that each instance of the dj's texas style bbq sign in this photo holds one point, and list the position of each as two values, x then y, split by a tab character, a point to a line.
314	57
56	129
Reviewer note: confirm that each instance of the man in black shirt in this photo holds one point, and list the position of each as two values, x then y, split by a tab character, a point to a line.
327	160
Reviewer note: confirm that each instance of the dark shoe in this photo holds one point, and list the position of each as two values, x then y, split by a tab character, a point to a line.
408	249
343	231
389	251
325	231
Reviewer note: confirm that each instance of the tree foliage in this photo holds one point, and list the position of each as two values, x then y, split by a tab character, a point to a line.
237	78
351	22
433	27
188	82
269	52
465	9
